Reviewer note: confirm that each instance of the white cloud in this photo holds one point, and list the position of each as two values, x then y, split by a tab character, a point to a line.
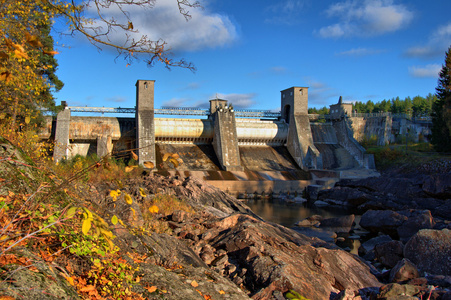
435	46
285	12
431	70
238	100
366	18
164	21
360	52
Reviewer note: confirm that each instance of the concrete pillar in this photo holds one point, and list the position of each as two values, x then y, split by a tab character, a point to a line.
145	124
104	145
294	105
61	148
225	140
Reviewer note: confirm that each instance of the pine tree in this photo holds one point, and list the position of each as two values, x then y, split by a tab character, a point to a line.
441	109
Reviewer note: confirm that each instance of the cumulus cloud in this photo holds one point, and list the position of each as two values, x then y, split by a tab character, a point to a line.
360	52
285	12
366	18
435	46
431	70
164	21
238	100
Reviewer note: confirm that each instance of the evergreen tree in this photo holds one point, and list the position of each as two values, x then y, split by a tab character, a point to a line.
441	109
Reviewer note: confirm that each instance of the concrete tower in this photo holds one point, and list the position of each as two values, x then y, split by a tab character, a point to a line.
145	124
294	106
294	101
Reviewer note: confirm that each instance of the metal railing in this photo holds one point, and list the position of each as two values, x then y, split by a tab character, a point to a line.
168	110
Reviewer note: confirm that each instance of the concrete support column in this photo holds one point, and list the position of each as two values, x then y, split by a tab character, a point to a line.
61	148
145	123
104	145
294	104
225	140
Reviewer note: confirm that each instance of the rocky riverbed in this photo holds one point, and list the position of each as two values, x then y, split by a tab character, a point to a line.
406	223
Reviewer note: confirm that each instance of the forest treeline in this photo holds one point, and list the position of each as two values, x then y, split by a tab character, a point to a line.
416	106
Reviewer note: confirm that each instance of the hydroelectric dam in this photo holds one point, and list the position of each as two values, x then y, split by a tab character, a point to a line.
239	151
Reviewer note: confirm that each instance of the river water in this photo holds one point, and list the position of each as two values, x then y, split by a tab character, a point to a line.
288	213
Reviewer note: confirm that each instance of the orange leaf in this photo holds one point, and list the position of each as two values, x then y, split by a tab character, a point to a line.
88	288
194	283
50	52
221	292
4	297
151	289
70	280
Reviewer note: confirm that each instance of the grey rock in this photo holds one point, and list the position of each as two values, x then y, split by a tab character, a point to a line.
430	251
403	271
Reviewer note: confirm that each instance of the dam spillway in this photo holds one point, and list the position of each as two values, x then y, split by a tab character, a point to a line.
259	147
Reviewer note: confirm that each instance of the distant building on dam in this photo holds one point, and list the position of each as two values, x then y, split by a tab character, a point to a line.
225	143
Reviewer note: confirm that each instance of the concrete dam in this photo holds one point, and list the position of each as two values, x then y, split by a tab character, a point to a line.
240	151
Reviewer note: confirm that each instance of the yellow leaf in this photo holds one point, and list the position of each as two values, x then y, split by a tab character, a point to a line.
114	194
20	54
27	120
194	283
148	164
106	233
166	156
134	213
142	192
71	212
154	209
130	168
86	226
114	220
221	292
128	199
174	162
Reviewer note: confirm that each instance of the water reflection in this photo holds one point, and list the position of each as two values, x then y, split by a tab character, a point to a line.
288	213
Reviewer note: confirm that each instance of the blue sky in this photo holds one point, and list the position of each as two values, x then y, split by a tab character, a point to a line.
248	51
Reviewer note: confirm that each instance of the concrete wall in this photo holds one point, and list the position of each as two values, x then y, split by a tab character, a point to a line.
384	130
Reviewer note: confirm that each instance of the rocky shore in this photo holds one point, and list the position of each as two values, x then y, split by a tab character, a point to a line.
217	248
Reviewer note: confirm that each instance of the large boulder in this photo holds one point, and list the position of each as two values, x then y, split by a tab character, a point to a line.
271	258
438	185
389	253
385	221
430	251
417	219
